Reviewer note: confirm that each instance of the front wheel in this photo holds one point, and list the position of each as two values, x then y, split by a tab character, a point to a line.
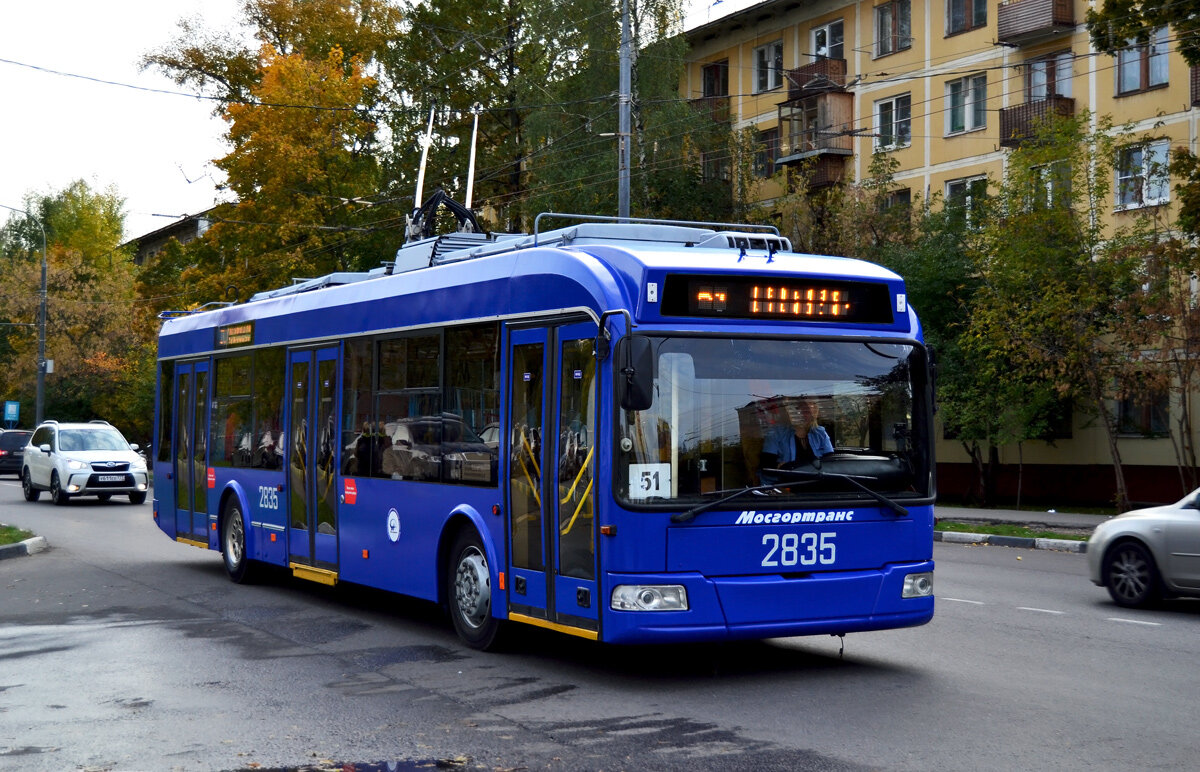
31	493
233	544
137	498
1131	576
469	587
57	494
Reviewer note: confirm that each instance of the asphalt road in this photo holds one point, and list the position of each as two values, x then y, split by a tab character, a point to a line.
122	650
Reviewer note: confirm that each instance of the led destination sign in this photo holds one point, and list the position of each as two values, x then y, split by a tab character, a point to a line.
233	335
751	297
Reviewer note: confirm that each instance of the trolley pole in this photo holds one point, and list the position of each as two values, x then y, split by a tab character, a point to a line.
623	128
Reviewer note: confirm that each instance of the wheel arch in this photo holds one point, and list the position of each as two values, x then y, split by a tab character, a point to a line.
233	490
466	517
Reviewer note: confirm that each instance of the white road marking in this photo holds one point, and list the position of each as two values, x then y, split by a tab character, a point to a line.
960	600
1039	610
1134	622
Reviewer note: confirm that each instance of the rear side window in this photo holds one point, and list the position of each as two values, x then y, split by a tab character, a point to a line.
14	440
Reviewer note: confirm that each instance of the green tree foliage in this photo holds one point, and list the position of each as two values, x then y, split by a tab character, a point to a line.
100	365
1117	23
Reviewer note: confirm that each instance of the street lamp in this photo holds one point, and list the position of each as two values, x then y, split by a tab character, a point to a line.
41	360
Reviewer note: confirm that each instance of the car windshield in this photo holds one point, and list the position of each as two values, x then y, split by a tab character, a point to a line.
732	413
90	439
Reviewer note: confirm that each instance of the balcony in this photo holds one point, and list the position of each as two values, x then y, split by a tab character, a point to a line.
818	77
715	108
817	134
1018	123
1020	22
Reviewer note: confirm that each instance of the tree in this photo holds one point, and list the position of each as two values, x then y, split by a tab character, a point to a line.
100	365
1120	22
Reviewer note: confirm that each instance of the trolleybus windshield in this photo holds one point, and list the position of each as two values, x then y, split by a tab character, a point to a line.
733	413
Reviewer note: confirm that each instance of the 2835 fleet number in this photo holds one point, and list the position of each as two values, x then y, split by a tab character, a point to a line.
799	549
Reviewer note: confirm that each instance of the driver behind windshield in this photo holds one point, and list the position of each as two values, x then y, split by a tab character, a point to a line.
796	437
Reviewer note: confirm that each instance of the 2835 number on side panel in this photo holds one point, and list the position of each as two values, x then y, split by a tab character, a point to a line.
799	549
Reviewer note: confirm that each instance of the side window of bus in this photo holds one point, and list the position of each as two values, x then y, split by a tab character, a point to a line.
360	451
267	436
232	429
408	408
166	416
471	403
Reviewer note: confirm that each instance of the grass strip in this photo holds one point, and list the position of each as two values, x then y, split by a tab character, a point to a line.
11	534
1007	530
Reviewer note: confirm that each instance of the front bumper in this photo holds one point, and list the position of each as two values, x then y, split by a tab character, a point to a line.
755	607
91	483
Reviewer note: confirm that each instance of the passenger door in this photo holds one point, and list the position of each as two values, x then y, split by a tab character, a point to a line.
551	493
312	462
189	462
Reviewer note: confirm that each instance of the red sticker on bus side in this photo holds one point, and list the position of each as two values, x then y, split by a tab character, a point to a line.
212	477
351	492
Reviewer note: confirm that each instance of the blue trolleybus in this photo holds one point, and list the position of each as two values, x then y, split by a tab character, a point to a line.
631	432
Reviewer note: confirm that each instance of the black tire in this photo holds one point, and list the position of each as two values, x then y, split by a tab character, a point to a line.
238	565
57	494
469	593
31	493
1130	575
104	496
137	498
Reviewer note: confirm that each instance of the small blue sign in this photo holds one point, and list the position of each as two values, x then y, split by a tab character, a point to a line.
12	412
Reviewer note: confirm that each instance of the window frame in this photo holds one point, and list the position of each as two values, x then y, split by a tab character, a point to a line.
768	66
1149	60
766	151
969	196
898	17
833	50
973	12
901	139
1054	84
714	74
973	105
1149	175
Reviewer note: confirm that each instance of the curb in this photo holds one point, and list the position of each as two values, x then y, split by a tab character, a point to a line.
1060	545
23	548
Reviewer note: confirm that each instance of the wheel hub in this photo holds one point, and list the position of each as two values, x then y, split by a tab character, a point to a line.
472	588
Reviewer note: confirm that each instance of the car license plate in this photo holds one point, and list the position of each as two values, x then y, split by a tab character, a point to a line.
112	478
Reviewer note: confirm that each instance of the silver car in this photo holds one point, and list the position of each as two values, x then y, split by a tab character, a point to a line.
1146	554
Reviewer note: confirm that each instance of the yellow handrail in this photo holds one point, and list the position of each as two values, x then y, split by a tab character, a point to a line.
587	495
579	476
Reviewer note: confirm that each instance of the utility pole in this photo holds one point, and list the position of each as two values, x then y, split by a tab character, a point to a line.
39	405
624	98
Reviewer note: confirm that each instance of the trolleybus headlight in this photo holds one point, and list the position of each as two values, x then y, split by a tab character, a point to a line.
917	585
650	597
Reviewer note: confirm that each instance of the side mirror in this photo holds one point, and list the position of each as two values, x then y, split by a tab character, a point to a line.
635	381
134	446
45	448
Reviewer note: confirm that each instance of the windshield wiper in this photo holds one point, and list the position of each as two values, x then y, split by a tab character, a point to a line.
689	514
805	476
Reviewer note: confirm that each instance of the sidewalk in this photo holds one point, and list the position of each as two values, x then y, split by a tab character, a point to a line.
1036	520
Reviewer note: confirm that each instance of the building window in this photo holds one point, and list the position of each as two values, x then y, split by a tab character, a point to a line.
827	41
1144	414
962	15
1142	178
715	79
895	200
893	122
1049	76
893	27
966	104
765	153
965	197
1141	67
1053	185
715	166
768	66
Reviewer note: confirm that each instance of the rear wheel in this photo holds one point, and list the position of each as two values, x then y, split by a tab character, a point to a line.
57	494
1131	576
31	493
233	544
469	587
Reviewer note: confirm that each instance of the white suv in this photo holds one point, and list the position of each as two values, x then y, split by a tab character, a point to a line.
91	459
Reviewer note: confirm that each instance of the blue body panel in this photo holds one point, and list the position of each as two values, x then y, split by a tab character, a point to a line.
716	557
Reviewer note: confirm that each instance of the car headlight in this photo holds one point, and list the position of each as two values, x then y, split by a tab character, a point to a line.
138	464
76	465
650	597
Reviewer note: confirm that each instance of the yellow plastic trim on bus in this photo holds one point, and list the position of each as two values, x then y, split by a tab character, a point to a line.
312	574
591	635
194	542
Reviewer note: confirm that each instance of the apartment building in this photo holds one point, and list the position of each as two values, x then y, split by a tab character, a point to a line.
950	86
